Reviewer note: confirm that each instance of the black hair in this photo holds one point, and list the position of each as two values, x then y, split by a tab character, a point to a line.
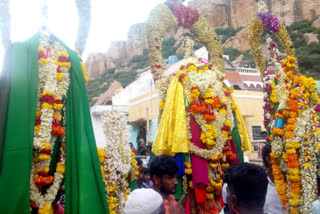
139	161
145	170
149	147
266	150
264	134
142	151
163	165
249	183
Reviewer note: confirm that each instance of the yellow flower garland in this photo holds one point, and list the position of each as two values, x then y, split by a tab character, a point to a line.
256	30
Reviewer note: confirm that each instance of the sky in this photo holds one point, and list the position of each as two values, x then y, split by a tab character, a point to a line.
110	20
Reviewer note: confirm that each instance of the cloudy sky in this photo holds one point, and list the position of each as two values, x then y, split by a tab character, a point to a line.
110	20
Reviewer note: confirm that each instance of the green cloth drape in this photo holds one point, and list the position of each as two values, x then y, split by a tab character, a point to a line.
17	148
237	140
83	181
179	192
4	98
134	185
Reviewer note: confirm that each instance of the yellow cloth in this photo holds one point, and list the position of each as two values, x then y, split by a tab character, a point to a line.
172	134
243	132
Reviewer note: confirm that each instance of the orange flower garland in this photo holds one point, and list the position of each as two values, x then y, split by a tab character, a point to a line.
298	154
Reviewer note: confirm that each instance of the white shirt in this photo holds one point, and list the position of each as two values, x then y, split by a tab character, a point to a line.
273	204
316	207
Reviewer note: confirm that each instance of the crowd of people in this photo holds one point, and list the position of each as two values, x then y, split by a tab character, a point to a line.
248	188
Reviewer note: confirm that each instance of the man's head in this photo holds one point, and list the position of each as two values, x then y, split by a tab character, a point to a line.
145	201
163	171
146	174
143	152
247	187
140	167
264	134
265	153
142	143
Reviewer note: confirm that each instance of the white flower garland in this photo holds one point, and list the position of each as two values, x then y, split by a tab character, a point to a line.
308	174
117	163
281	94
262	7
48	82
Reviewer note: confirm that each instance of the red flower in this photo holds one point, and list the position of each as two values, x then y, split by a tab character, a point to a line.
181	77
186	16
157	47
43	173
63	59
46	151
33	204
41	55
38	122
158	66
57	101
224	106
47	98
50	100
226	128
55	122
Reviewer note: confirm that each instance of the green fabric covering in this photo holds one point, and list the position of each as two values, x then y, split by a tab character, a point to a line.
134	185
187	158
17	150
179	192
4	98
237	140
83	180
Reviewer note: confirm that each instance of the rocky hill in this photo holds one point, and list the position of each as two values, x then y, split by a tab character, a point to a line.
233	14
230	19
238	13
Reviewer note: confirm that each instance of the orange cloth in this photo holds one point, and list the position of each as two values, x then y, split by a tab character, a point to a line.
171	201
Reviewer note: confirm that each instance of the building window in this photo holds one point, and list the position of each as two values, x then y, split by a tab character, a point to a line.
256	133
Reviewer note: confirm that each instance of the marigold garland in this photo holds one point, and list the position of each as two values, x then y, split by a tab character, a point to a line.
298	136
294	131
